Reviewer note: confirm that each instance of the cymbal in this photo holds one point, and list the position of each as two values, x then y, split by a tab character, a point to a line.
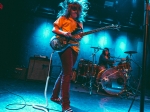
130	52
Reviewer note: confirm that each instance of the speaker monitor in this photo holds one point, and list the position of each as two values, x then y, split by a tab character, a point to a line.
38	69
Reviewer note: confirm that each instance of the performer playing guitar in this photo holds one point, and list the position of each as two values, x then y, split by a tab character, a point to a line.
70	18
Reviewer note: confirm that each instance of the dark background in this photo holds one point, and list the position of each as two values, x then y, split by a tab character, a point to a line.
21	37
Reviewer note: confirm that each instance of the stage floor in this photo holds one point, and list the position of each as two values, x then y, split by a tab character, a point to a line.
23	94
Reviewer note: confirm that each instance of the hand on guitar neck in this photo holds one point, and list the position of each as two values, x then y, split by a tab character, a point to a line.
67	34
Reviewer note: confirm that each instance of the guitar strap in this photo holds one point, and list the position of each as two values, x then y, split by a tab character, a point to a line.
79	26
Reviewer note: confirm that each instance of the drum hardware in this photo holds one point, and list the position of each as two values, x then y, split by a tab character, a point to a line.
129	90
113	81
110	80
124	66
74	75
96	49
87	70
130	52
83	72
100	70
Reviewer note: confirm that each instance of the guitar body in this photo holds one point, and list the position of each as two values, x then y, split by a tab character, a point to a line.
60	43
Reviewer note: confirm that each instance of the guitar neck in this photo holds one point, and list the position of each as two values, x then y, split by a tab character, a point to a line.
95	30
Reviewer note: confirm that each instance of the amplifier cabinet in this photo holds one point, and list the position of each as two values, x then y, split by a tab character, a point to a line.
38	69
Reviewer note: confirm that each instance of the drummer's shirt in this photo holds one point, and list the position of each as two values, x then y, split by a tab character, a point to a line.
68	25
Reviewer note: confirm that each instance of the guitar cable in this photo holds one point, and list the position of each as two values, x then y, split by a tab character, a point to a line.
39	107
24	104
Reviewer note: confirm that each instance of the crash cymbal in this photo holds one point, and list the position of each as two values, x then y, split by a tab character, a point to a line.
130	52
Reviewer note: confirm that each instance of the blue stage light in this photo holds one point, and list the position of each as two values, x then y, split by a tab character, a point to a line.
46	32
86	39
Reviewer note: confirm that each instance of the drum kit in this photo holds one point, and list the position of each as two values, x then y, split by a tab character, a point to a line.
113	81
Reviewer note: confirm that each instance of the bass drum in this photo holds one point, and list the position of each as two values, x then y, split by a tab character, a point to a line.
113	81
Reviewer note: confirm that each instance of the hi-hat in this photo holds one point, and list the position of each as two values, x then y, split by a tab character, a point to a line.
130	52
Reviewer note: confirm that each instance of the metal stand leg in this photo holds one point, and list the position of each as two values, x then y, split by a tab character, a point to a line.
43	107
91	77
129	90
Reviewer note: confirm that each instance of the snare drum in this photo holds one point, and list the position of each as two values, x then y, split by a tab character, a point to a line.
124	66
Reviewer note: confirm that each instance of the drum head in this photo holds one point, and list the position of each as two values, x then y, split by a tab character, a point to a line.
113	81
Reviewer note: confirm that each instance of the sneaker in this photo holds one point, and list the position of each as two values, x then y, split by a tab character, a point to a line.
68	110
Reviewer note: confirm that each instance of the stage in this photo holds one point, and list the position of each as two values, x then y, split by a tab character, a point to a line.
25	93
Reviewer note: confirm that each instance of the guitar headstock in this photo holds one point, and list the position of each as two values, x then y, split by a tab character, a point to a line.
115	26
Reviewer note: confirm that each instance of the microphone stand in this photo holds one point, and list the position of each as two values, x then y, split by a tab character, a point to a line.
96	49
43	107
145	40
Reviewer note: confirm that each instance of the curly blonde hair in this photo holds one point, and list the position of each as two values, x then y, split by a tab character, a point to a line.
67	5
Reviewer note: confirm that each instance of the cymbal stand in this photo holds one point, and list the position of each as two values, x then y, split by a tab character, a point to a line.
130	91
93	61
137	86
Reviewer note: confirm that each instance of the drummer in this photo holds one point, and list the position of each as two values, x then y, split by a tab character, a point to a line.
104	59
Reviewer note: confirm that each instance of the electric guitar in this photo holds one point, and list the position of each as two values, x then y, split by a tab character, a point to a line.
59	42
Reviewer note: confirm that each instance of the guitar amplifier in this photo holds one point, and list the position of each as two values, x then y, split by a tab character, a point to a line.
38	68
